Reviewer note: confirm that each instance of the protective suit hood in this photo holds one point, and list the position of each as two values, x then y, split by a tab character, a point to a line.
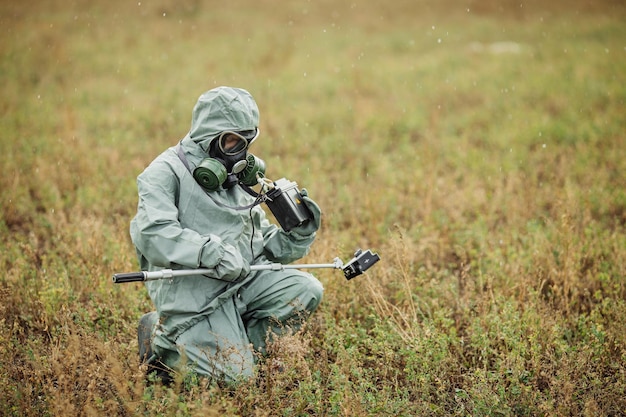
222	109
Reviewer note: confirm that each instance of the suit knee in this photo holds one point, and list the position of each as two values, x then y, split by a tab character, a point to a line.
311	293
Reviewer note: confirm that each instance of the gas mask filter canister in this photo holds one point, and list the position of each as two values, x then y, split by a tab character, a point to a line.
229	162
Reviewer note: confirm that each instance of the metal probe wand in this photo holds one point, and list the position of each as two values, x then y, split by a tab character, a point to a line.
355	267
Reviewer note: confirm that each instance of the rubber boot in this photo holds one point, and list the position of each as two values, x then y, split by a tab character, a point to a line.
144	335
144	339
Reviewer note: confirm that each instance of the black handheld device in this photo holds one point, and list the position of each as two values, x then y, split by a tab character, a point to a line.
285	202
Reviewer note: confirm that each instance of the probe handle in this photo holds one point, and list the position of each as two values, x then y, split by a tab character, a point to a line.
128	277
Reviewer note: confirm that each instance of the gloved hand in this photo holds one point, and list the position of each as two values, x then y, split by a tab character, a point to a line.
232	266
313	224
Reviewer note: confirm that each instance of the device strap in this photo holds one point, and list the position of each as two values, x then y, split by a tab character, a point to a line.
182	157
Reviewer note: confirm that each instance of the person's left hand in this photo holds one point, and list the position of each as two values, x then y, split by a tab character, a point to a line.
313	224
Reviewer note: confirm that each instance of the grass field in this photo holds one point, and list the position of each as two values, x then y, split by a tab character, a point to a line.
478	146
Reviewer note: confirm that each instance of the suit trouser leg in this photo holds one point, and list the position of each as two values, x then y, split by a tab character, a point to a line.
276	301
217	346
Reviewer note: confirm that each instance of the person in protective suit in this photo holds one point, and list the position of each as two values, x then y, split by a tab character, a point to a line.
215	324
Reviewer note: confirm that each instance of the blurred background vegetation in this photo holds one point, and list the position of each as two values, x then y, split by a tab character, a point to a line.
478	146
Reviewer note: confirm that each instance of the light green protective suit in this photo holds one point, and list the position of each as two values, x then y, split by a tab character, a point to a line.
205	323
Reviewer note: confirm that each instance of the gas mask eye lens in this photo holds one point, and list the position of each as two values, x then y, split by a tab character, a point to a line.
232	143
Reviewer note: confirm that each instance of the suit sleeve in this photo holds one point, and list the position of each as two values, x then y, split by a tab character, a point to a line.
281	246
156	232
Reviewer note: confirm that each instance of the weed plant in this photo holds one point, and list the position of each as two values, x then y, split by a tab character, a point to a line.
478	146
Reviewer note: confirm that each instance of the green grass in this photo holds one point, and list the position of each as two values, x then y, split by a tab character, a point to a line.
478	147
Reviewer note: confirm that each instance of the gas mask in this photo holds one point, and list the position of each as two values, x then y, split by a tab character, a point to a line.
229	162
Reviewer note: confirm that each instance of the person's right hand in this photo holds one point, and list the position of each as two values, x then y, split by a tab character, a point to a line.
233	266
